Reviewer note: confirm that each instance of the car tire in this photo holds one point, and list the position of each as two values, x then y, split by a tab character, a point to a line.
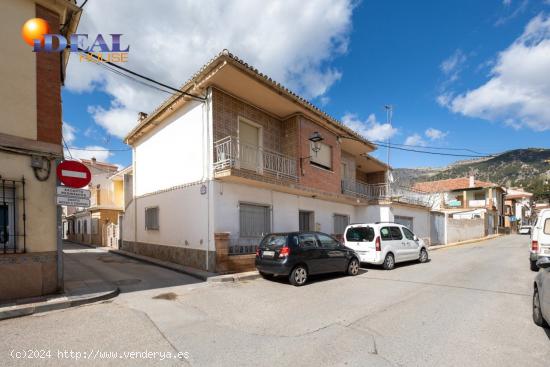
389	262
534	266
353	267
423	258
537	312
298	276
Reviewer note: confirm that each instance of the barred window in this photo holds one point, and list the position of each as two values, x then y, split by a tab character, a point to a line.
152	218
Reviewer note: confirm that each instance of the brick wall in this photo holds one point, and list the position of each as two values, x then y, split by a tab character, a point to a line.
48	86
313	176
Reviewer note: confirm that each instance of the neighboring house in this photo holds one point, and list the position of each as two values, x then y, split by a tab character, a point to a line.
517	207
236	156
30	145
98	224
465	198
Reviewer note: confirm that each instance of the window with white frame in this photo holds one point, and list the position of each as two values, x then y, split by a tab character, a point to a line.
254	220
152	218
323	157
341	221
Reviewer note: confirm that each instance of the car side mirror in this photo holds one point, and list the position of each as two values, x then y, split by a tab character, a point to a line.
415	238
543	262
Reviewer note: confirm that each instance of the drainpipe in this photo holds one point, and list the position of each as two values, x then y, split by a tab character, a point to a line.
59	212
208	162
134	179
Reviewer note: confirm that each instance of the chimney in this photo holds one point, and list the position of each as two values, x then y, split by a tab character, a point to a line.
142	116
472	180
94	160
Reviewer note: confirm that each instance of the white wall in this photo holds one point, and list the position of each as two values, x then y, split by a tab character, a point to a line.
183	219
285	208
175	154
421	219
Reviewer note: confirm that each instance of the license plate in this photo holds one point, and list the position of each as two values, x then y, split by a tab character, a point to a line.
268	253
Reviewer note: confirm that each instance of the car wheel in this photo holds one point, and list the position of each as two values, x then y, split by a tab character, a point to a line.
389	262
537	312
298	276
353	267
423	256
534	266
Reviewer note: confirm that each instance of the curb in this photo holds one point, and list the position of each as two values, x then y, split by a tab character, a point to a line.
58	303
199	274
455	244
237	277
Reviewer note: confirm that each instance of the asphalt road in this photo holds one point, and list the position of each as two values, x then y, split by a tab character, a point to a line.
469	306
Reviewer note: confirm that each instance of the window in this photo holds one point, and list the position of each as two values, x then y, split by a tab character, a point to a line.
340	223
385	234
360	234
273	241
308	241
78	227
396	233
323	157
408	234
327	242
4	224
254	220
547	226
479	196
152	218
306	221
85	226
95	225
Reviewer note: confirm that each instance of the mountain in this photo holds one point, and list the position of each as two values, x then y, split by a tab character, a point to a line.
528	168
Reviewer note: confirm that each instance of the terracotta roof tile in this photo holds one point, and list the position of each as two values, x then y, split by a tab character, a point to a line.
451	184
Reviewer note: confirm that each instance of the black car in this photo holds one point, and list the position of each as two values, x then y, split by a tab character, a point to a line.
300	254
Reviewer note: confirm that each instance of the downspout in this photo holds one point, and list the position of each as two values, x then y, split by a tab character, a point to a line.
134	179
208	162
59	213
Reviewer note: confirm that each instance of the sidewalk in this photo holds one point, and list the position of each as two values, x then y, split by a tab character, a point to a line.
454	244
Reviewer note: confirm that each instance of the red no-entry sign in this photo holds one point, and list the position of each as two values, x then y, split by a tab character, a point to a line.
73	174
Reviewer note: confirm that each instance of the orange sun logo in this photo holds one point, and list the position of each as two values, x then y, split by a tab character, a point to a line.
35	29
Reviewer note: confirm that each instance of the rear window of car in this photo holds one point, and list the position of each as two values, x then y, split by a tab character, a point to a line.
360	234
273	241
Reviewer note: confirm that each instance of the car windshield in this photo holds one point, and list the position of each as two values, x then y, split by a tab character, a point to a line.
273	241
360	234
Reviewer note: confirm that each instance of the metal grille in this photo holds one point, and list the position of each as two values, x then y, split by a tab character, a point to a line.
340	223
12	216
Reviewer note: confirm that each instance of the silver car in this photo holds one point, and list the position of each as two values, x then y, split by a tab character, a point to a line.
541	293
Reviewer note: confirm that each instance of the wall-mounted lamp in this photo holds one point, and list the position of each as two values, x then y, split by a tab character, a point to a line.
316	139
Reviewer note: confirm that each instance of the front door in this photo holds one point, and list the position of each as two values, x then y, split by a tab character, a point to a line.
306	221
249	146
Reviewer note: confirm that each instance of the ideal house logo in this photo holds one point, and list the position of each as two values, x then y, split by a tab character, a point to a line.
36	32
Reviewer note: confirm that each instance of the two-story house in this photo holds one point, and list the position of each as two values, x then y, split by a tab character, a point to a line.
517	207
237	155
467	198
95	225
30	147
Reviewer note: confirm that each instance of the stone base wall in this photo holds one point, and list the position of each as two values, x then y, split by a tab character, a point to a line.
28	275
178	255
226	263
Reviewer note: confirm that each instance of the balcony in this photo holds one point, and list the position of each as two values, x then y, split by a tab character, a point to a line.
385	191
230	153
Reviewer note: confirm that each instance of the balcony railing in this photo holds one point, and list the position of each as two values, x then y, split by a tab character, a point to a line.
229	152
386	191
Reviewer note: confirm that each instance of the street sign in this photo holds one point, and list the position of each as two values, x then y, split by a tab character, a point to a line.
73	174
70	201
70	192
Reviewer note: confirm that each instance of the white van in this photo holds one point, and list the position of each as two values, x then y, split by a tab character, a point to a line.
385	244
540	239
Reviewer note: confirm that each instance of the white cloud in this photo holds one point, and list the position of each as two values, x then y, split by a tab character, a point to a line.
415	139
518	92
506	2
435	134
370	128
291	41
517	11
93	151
452	66
69	132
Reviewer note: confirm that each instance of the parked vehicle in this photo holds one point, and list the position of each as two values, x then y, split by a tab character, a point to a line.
385	244
524	229
298	255
541	293
540	239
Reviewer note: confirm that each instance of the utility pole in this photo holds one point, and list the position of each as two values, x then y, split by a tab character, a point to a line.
389	112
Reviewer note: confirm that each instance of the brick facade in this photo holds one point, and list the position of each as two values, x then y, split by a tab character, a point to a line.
48	86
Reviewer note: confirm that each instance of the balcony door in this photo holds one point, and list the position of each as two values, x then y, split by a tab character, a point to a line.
250	143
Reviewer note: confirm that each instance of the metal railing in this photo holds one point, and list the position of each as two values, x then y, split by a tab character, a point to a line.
243	246
229	152
13	217
386	191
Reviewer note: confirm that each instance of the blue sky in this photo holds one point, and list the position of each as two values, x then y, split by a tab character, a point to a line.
460	74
